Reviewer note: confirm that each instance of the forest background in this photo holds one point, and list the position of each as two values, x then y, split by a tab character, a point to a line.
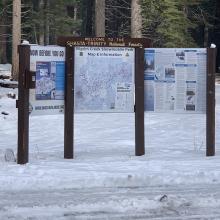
168	23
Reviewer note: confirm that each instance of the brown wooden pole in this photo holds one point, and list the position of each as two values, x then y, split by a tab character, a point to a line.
69	105
210	102
139	102
23	104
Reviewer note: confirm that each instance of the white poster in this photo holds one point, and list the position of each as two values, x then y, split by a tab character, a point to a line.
175	80
104	79
49	64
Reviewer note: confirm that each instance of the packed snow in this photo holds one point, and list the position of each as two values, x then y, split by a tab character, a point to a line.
5	70
105	180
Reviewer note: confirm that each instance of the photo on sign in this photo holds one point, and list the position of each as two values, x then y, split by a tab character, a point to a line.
45	81
180	56
170	96
149	95
169	73
190	100
160	73
149	62
50	80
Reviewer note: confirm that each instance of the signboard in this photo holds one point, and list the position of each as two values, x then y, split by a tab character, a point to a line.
104	79
49	64
104	42
175	80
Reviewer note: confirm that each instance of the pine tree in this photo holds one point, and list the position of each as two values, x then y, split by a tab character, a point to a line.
175	25
167	22
87	13
49	19
152	17
216	33
5	27
203	15
118	18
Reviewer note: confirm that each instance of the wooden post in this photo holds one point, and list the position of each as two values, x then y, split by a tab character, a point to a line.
23	104
139	102
210	102
69	105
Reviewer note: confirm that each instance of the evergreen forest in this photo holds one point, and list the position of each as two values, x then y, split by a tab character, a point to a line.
168	23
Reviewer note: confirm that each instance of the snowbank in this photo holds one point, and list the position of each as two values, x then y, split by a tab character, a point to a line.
104	151
5	71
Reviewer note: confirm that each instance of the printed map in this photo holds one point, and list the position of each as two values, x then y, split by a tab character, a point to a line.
104	80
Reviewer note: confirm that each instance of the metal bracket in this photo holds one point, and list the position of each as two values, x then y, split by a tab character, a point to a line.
30	79
17	103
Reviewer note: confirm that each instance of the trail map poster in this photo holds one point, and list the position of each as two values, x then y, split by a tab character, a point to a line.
49	64
104	79
175	80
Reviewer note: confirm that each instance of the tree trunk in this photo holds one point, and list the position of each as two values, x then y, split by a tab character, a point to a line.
136	19
3	37
206	36
100	18
41	28
16	37
88	22
47	24
216	38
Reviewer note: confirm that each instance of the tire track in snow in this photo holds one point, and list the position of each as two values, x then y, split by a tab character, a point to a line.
182	202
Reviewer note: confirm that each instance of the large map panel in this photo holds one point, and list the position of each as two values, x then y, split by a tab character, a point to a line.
104	79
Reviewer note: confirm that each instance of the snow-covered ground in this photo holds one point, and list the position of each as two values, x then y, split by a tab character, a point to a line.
5	70
174	180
